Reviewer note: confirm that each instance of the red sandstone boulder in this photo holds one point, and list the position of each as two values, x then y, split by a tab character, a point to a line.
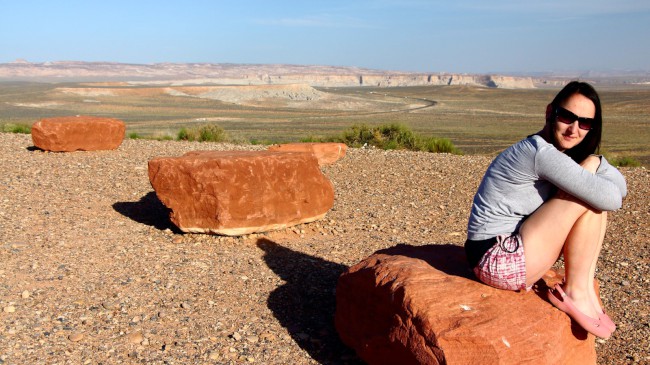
420	305
80	133
326	153
240	192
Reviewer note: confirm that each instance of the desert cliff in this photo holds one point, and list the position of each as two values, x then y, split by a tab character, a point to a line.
242	74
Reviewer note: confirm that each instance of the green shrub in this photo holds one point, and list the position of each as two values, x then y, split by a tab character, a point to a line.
16	128
438	145
212	133
203	133
357	136
183	135
394	136
134	135
625	161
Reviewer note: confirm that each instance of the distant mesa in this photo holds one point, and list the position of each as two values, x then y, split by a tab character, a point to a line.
243	74
276	74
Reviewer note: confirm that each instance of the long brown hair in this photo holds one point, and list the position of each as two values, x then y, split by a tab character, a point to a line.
591	143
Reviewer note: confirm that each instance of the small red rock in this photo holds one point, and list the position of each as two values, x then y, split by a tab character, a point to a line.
241	192
326	153
78	133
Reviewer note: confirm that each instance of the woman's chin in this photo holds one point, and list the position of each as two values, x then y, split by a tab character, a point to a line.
566	143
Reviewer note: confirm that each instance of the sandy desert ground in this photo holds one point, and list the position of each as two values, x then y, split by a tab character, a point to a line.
93	272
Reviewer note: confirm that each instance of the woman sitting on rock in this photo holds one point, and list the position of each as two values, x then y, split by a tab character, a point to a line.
547	195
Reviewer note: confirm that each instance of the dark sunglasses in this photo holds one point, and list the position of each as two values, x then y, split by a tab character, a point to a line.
567	117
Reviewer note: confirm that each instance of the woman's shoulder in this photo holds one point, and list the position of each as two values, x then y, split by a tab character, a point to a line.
537	145
531	144
538	141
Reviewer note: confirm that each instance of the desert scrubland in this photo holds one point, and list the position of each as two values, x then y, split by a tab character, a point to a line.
478	120
94	272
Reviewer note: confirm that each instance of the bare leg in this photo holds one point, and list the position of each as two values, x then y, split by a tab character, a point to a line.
581	251
566	224
592	273
545	232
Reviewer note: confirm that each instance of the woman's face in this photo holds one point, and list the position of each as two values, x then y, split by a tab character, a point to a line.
570	135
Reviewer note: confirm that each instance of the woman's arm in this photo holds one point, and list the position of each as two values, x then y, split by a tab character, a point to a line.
603	190
612	174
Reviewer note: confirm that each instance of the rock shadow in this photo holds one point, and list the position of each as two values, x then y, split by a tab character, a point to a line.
305	305
148	210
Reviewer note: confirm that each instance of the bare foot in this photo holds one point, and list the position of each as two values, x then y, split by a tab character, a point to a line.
583	302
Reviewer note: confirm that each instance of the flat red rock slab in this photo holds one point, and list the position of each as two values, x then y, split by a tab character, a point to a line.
240	192
78	133
421	305
326	153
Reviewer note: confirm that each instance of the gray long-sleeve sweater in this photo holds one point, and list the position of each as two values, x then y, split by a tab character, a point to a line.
529	173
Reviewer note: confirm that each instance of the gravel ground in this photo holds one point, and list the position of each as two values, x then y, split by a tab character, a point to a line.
93	272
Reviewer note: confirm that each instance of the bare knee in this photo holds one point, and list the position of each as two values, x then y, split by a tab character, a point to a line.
563	195
584	207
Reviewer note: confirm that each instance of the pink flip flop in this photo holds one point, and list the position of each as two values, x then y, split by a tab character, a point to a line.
564	303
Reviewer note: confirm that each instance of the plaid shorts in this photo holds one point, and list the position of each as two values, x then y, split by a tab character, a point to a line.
503	266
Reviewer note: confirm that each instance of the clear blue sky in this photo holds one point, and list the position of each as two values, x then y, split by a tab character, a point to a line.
473	36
